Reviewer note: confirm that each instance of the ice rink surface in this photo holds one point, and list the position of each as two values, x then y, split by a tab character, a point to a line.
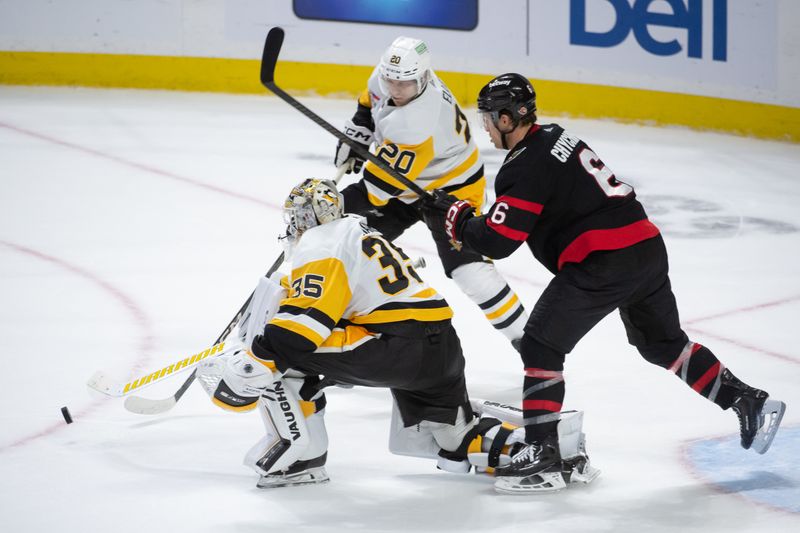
134	224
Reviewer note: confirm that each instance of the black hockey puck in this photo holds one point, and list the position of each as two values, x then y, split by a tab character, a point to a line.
67	416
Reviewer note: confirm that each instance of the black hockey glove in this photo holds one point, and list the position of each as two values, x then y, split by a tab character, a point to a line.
344	154
443	211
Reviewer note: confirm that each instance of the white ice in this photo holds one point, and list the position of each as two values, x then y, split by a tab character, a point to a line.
133	224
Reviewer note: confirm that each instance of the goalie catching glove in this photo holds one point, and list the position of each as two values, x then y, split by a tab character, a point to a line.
235	381
345	154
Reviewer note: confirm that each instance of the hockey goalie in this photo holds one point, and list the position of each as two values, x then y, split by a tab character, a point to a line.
354	311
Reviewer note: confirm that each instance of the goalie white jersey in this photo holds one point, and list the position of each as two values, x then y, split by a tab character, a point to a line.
428	140
349	283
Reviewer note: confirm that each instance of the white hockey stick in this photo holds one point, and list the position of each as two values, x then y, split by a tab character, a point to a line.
102	383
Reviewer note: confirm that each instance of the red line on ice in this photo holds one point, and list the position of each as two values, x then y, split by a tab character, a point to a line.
137	165
145	343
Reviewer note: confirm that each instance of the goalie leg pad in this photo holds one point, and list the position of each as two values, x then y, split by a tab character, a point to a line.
296	440
431	440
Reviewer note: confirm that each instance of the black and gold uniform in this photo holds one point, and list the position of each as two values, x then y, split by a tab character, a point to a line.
358	313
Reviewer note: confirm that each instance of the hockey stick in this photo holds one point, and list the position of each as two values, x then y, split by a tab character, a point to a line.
102	383
147	406
272	47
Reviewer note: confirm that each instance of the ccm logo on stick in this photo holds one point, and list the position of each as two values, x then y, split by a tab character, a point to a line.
636	16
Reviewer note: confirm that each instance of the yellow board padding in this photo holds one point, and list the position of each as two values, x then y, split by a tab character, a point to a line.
242	76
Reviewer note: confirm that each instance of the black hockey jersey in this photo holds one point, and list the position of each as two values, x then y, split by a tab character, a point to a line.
555	193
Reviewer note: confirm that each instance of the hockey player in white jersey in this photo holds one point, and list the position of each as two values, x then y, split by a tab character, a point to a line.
355	311
418	128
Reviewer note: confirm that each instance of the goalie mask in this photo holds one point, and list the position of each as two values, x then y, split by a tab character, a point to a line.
405	69
311	203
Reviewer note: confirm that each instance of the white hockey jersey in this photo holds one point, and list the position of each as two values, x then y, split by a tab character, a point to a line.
348	283
428	140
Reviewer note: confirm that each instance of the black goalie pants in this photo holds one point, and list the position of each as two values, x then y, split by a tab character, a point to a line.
425	373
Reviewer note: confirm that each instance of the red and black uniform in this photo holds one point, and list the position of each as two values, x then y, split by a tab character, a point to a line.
588	228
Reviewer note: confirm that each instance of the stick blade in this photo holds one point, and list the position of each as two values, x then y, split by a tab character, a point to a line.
272	47
146	406
100	382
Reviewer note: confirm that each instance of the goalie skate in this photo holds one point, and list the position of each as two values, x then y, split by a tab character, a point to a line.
311	472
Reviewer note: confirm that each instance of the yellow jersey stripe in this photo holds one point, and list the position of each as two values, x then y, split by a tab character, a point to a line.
397	315
300	329
349	336
458	171
426	293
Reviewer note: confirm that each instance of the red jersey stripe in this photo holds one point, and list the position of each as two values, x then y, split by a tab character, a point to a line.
541	405
505	231
606	239
525	205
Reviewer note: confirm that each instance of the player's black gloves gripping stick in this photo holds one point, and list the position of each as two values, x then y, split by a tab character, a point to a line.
444	211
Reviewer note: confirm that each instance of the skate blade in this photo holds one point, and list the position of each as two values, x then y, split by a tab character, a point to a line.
314	476
773	414
545	482
586	476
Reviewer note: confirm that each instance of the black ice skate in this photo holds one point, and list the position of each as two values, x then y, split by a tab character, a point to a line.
759	417
308	472
536	467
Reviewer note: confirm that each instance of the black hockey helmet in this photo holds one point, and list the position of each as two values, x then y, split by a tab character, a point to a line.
508	93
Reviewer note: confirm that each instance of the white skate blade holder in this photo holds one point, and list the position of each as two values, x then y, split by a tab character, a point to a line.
541	483
311	476
772	411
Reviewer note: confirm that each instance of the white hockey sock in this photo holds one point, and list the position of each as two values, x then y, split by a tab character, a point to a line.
499	303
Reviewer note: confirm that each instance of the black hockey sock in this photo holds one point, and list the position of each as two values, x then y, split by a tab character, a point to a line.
699	368
543	390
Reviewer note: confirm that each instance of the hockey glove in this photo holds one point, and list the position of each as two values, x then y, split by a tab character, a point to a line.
344	154
444	211
235	381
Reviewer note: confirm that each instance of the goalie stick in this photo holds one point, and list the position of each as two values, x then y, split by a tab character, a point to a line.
272	47
147	406
102	383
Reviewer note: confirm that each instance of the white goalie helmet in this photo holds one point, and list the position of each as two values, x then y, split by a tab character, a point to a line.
406	59
311	203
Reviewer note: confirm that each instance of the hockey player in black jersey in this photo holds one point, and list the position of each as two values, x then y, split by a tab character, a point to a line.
585	226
